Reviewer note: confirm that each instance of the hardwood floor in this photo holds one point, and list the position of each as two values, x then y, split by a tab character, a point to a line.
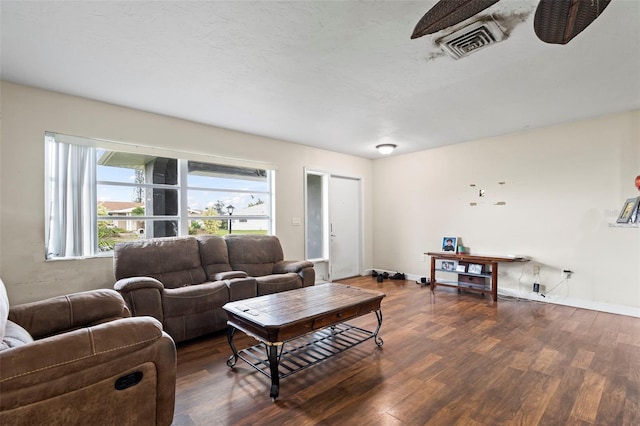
447	359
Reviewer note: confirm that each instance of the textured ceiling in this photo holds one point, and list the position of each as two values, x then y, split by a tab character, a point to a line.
340	75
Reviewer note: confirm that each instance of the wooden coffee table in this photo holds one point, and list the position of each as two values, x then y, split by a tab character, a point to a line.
309	321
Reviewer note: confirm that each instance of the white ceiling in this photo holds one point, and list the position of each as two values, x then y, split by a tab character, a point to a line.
340	75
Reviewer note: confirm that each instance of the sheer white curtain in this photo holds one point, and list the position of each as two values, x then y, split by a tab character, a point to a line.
71	207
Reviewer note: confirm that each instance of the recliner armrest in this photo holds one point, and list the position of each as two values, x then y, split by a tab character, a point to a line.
63	313
286	266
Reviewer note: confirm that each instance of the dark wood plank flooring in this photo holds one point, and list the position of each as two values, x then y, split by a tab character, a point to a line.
447	359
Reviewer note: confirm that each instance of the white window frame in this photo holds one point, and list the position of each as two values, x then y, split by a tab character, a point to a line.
182	189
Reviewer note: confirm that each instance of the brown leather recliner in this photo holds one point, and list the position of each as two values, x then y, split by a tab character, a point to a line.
81	359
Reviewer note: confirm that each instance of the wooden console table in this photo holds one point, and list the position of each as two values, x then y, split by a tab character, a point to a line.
470	280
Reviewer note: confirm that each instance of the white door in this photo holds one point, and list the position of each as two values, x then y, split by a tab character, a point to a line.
344	227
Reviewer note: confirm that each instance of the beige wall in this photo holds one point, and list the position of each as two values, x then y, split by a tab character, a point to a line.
27	113
563	186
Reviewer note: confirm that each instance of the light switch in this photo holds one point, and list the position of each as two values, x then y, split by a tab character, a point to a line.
295	221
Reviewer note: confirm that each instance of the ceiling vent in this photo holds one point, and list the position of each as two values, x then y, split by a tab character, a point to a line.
471	38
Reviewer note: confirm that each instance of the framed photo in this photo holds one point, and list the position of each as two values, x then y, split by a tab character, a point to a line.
448	265
449	244
474	268
460	268
628	209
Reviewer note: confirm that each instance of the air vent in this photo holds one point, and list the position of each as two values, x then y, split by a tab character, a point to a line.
471	38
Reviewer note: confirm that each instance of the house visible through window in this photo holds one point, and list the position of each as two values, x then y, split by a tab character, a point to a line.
97	196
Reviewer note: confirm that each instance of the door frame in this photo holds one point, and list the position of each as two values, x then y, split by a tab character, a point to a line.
326	176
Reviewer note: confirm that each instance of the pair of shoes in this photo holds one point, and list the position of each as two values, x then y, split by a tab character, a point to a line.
398	276
379	278
374	273
385	275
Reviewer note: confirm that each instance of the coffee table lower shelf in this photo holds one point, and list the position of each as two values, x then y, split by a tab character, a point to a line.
302	352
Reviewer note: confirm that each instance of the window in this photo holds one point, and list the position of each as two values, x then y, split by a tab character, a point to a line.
316	215
97	196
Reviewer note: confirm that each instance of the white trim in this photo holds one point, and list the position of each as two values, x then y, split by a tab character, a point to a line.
324	176
183	205
630	311
576	303
160	152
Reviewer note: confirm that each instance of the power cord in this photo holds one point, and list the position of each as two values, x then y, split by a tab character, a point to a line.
565	279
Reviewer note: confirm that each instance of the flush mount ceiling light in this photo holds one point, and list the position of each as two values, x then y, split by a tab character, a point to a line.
386	148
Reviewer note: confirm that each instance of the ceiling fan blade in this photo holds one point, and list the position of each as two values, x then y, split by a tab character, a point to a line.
446	13
559	21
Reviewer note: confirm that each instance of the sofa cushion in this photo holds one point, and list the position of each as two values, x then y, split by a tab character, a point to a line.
254	254
276	283
194	299
195	310
214	256
174	261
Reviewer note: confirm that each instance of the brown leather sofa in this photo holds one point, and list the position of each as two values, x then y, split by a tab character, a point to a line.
184	281
81	359
261	256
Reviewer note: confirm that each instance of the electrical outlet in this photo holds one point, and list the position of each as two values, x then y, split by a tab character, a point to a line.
539	288
536	269
423	258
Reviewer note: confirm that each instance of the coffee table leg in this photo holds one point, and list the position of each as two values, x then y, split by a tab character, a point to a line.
272	354
233	358
377	339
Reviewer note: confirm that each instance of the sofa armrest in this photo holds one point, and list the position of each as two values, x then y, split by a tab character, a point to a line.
129	284
143	296
228	275
286	266
308	277
242	288
58	314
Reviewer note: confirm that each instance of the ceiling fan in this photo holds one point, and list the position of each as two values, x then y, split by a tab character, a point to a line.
556	21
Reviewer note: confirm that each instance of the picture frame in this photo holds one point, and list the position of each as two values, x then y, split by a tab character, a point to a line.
475	268
635	217
461	268
449	244
628	209
448	265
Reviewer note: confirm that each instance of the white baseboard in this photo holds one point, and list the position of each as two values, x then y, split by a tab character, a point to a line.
576	303
548	298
